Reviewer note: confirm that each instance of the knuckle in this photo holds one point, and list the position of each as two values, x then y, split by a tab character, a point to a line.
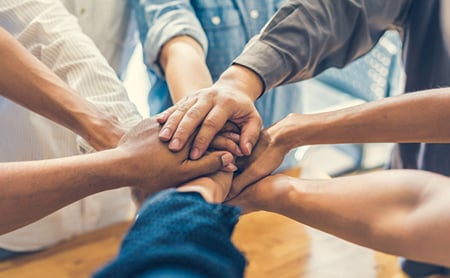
228	102
194	113
211	123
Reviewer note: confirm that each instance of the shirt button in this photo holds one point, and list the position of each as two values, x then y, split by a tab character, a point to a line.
254	14
82	11
215	20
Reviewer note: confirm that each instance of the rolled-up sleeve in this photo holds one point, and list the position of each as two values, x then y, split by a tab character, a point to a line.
306	37
53	35
160	21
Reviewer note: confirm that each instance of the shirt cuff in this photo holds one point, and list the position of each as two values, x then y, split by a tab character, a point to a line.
265	61
168	26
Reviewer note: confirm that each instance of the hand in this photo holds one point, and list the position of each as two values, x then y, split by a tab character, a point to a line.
264	195
153	167
214	188
228	140
230	98
104	132
268	155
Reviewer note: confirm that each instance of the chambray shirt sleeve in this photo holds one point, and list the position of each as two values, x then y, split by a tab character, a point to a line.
161	20
179	235
305	37
53	35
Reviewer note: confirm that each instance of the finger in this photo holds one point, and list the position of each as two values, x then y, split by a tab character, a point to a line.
189	123
212	124
209	163
223	143
232	127
235	137
250	175
162	117
250	133
172	122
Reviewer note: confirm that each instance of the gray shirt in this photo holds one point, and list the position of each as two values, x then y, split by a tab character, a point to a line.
306	37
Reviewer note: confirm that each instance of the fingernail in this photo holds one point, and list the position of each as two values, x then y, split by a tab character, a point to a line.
231	167
226	159
195	153
175	144
165	133
160	117
249	147
239	152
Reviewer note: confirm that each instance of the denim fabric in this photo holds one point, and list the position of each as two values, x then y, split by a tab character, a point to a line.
228	26
179	235
8	254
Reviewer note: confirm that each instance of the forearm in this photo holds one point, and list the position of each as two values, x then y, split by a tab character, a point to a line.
183	62
399	212
32	190
419	117
26	81
53	36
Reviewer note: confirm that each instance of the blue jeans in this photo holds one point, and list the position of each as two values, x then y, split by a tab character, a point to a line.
8	254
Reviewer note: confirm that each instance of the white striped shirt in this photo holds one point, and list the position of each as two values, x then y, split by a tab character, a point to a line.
48	31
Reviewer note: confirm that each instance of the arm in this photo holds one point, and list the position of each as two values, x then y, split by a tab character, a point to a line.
26	81
189	235
306	37
175	44
302	39
402	212
418	117
31	190
53	36
175	48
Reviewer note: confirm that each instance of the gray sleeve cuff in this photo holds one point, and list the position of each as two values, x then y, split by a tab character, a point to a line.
170	25
272	69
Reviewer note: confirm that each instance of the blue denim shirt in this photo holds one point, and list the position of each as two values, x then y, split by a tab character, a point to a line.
222	27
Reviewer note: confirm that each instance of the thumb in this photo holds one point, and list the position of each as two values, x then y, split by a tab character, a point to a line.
250	134
210	163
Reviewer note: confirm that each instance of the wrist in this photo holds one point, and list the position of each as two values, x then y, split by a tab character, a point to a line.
242	79
210	192
297	130
100	130
284	133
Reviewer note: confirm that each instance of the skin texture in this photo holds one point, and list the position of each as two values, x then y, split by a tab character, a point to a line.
406	212
26	81
31	190
183	61
386	120
214	188
230	99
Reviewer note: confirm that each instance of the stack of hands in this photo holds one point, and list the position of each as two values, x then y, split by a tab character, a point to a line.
216	159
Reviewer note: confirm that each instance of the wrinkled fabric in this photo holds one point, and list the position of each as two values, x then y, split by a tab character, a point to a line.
179	235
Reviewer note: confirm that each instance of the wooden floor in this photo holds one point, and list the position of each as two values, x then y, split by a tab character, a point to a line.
275	246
